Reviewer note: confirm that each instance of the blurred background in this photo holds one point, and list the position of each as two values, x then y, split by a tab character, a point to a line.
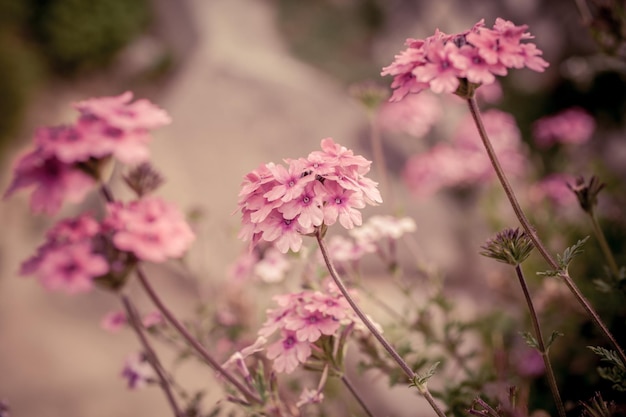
248	82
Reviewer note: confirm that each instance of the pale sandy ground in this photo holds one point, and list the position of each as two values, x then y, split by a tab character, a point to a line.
238	101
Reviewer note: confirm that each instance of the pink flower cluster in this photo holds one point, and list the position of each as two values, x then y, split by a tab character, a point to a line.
60	166
571	126
68	260
150	228
464	163
477	55
414	115
281	204
302	319
76	250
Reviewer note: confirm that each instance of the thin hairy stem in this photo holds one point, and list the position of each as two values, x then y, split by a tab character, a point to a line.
604	245
151	355
540	343
571	285
372	328
250	396
356	395
204	354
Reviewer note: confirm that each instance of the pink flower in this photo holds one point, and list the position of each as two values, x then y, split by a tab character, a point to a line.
119	112
152	319
414	115
137	371
444	65
287	353
272	267
70	268
66	260
348	250
554	189
281	204
477	55
302	319
571	126
114	321
53	180
309	396
150	228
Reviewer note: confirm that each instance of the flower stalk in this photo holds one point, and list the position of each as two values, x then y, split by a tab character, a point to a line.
151	355
541	346
563	274
414	378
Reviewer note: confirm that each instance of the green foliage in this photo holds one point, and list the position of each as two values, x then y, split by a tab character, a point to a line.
564	260
616	372
86	34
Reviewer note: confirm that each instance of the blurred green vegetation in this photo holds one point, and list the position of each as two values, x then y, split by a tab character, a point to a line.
40	39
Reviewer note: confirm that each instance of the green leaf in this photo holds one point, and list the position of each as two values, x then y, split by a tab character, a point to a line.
552	338
530	340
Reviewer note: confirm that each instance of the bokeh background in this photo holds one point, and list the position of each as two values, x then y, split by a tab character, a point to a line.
246	82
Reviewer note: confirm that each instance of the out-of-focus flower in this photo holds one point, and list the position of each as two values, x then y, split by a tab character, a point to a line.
114	321
528	362
310	396
54	181
137	371
152	319
441	61
464	163
281	204
414	115
66	260
272	266
572	126
552	188
150	228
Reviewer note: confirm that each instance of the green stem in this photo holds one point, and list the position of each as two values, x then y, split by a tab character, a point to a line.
541	344
473	107
604	245
368	323
151	355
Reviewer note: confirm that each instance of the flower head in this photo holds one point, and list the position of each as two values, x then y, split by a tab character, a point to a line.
572	126
587	192
511	246
137	371
441	61
150	228
280	204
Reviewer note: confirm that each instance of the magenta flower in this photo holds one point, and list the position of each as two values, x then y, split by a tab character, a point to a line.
114	321
53	180
67	260
571	126
119	112
281	204
70	268
440	61
150	228
554	189
137	371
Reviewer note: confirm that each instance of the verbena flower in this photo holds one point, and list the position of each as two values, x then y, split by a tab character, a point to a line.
150	228
414	115
553	188
64	161
301	319
572	126
137	371
280	204
587	192
439	167
441	61
67	260
114	321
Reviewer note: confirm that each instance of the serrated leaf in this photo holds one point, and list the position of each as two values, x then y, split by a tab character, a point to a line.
530	340
552	338
608	356
549	273
421	380
571	252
